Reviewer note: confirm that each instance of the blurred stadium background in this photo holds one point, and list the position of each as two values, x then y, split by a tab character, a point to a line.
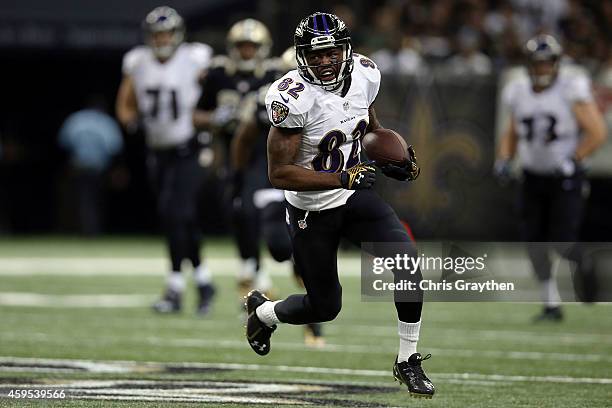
443	63
442	60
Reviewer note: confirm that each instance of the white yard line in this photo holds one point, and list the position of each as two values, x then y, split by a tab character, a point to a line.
31	299
364	349
514	336
329	348
72	301
70	266
122	366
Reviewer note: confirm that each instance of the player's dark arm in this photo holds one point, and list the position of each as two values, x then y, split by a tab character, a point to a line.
374	123
593	129
283	147
508	143
242	144
202	119
126	106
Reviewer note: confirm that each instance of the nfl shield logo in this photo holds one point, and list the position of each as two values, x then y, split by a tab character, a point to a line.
346	105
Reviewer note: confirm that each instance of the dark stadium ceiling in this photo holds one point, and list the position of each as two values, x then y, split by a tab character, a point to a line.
96	10
94	23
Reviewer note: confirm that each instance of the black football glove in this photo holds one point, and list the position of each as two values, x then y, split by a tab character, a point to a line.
133	126
223	115
569	168
359	177
408	172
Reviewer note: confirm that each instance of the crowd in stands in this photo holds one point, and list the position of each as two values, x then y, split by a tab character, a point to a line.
479	37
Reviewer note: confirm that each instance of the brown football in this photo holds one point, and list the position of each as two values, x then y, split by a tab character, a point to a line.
385	146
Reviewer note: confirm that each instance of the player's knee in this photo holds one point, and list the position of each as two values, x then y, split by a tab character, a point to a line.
172	213
398	235
172	221
328	309
279	245
330	314
280	253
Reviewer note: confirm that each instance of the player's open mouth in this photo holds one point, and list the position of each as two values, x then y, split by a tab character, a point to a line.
327	74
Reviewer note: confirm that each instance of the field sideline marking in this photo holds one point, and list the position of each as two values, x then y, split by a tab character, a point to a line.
71	301
514	335
31	299
364	349
107	367
343	348
150	266
386	331
156	266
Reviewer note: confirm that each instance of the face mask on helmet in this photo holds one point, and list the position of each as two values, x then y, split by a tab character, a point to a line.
315	34
248	43
164	31
543	54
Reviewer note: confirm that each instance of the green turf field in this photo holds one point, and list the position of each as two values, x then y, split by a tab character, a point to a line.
74	316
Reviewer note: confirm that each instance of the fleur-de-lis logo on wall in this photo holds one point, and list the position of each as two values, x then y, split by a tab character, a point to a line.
439	151
452	160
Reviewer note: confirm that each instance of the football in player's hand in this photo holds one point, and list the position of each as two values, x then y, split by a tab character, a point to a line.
385	146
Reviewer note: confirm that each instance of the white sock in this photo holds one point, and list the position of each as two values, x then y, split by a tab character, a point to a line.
248	269
263	282
550	292
202	275
266	313
176	282
409	336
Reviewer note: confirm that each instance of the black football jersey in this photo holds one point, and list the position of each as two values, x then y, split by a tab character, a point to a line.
225	86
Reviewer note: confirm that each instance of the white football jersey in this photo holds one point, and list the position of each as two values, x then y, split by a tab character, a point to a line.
332	126
545	123
167	92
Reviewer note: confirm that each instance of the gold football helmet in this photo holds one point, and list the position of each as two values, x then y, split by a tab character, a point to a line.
287	59
243	35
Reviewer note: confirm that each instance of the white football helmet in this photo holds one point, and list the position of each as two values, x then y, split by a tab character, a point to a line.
543	48
164	19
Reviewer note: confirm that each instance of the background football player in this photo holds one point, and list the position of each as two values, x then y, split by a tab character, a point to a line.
555	124
250	139
160	89
319	113
243	71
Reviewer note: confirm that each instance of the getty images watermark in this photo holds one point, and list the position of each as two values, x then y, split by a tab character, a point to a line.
478	271
405	263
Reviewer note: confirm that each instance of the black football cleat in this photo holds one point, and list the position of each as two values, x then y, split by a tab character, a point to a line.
169	303
206	294
549	314
257	333
410	373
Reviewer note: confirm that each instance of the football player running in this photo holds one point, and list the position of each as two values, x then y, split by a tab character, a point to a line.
249	141
160	88
230	79
554	125
319	113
